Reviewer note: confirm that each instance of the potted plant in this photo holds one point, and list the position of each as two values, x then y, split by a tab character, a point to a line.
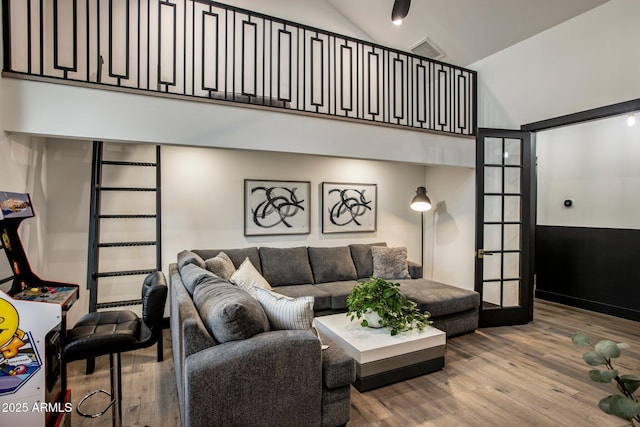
625	404
394	311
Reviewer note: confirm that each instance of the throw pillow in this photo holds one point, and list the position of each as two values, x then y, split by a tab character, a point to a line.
361	254
236	255
229	313
284	312
221	265
332	264
247	277
188	257
390	263
286	266
193	276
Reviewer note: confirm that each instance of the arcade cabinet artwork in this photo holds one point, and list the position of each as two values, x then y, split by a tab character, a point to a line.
33	389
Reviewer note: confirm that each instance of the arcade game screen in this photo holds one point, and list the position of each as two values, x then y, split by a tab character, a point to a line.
15	205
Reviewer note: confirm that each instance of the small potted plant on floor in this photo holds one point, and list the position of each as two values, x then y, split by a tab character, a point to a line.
381	304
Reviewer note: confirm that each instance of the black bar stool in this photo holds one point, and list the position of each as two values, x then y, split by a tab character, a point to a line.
115	332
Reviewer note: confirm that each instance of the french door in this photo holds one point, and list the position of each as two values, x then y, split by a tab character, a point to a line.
505	210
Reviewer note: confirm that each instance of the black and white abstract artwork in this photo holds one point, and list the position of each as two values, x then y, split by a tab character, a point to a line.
276	207
348	208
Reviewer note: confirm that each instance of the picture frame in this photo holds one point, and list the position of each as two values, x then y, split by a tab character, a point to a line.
349	207
276	207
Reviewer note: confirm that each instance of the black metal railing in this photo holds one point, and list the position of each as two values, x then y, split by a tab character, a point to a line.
209	50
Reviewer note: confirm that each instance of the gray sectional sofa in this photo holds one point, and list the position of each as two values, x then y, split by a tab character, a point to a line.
260	376
329	274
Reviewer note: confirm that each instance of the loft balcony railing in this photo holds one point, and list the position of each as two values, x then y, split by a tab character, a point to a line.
210	51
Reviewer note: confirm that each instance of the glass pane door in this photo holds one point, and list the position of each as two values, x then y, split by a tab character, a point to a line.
504	226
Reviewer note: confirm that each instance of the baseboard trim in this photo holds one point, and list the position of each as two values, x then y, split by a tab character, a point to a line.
596	306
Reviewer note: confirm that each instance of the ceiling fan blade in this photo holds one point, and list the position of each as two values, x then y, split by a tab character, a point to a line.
400	9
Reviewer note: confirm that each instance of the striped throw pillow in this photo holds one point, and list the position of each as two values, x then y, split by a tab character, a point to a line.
284	312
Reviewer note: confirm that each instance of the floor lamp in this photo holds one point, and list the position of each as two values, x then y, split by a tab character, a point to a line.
421	203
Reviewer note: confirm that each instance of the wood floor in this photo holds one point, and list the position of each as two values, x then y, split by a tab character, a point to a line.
527	375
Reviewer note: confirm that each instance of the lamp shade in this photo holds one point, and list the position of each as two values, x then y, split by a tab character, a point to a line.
421	201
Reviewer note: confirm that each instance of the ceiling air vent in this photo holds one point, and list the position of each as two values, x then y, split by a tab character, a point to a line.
428	49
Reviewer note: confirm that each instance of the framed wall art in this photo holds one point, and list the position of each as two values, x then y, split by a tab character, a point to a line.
348	207
276	207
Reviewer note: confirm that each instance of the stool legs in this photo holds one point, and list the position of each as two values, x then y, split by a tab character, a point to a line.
116	388
115	372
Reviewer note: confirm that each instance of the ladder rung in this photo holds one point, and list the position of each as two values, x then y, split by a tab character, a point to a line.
116	163
127	216
122	244
127	189
118	303
124	273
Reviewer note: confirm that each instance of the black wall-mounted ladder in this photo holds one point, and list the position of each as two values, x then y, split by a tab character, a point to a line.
102	246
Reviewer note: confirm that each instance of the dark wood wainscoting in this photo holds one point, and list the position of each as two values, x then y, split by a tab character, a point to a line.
593	268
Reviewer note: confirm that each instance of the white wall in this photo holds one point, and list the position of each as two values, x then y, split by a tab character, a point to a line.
203	192
75	112
595	164
22	163
587	62
450	226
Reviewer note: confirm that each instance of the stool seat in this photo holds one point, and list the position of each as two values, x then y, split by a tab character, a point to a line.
100	333
115	332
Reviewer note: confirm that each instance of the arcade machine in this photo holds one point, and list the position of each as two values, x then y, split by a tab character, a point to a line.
33	383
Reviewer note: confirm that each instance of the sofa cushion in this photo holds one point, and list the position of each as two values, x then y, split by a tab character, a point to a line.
284	312
192	276
390	263
286	266
338	292
331	264
362	258
439	299
228	312
247	277
236	255
221	265
188	257
322	299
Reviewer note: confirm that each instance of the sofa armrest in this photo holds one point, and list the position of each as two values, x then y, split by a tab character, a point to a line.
415	270
273	378
187	328
338	368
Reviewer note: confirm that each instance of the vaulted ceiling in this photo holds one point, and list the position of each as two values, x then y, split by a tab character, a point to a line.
465	30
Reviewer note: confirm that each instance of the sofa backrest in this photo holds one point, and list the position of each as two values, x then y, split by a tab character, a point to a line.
362	258
237	255
286	266
332	264
302	265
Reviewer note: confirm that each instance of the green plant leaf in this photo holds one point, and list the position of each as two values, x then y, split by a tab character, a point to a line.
605	405
607	349
623	407
603	376
398	313
623	346
594	359
631	382
580	339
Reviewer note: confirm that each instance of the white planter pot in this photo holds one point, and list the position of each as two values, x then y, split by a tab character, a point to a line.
373	319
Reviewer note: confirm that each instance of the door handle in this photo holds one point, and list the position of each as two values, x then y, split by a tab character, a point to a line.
480	253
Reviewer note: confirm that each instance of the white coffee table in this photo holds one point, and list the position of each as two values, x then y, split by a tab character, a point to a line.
383	359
